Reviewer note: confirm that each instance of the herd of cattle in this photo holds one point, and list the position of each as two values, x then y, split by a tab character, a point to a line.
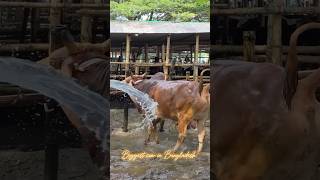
266	121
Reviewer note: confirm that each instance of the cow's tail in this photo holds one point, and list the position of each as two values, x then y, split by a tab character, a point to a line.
291	80
201	79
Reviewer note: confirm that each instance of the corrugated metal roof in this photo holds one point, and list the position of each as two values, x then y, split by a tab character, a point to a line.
162	27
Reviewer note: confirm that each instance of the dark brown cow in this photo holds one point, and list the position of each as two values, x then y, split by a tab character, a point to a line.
177	100
266	123
87	63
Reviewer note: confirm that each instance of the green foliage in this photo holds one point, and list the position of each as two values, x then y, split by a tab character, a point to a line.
161	10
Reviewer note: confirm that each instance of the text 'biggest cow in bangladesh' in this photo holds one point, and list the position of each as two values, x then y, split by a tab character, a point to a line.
266	122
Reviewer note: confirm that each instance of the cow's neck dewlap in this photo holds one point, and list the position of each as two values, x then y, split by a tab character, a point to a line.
146	103
47	81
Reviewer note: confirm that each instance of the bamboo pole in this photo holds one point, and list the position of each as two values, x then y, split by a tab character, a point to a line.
52	5
127	53
91	12
163	53
275	34
196	59
167	62
261	49
55	17
86	26
266	11
35	24
248	45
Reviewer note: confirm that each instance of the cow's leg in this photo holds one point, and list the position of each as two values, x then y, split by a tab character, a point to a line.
201	134
182	129
152	132
161	125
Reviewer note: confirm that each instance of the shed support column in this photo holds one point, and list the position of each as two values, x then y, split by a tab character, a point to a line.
127	54
163	53
146	57
55	17
248	45
86	26
275	35
196	57
167	62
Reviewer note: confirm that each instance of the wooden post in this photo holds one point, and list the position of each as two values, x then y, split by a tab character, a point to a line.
146	56
167	62
196	56
127	54
86	26
26	12
248	45
274	52
126	115
163	53
191	52
35	24
158	52
51	149
55	17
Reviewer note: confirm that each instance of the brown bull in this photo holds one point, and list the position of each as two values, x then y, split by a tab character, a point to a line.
177	100
266	123
88	64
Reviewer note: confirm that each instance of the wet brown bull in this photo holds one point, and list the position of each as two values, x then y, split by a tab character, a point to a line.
266	122
177	100
90	67
160	76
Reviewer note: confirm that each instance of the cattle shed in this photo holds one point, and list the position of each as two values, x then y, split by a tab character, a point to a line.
150	46
260	30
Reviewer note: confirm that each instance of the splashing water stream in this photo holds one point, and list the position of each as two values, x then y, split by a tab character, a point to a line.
85	103
49	82
146	103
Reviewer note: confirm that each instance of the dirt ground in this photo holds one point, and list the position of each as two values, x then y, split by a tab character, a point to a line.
74	164
155	168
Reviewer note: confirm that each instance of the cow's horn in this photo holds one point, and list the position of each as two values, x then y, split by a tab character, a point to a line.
291	80
144	75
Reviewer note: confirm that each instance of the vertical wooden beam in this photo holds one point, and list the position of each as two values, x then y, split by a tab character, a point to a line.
196	59
191	52
274	51
26	12
35	24
86	26
147	59
127	53
248	45
167	62
55	19
158	52
163	53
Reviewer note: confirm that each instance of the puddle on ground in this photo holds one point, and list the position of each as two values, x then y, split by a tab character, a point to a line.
198	168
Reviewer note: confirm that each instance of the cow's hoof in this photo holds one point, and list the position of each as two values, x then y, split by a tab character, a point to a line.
197	152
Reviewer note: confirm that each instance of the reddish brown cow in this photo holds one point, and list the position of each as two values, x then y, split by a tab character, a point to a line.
266	123
177	100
